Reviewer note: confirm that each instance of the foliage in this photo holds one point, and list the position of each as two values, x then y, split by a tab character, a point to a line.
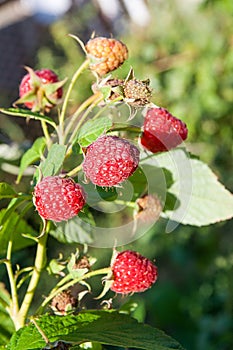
188	189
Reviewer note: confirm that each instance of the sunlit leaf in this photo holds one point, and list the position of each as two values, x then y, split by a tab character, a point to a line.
105	327
201	198
92	129
6	191
31	156
24	113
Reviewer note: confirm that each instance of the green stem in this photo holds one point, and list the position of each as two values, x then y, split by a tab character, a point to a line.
46	133
65	286
97	99
83	66
129	204
14	307
81	108
109	104
135	129
38	267
75	170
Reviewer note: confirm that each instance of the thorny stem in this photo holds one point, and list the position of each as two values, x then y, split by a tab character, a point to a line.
65	286
40	261
83	66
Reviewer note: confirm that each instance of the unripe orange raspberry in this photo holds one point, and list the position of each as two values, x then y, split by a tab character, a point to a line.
106	54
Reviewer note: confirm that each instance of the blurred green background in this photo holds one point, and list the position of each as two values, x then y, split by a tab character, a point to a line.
186	50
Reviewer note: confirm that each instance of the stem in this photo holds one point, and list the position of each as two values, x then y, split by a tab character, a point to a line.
83	66
109	104
46	133
14	307
65	286
75	170
98	98
81	108
38	267
129	204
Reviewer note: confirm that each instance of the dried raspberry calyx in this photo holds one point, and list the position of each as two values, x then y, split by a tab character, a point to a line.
162	131
58	199
110	160
137	92
132	273
105	54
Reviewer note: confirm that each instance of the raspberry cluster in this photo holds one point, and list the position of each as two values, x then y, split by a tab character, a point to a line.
132	273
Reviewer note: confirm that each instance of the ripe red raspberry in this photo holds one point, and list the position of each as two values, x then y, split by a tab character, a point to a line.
58	199
132	273
34	87
110	160
162	131
106	54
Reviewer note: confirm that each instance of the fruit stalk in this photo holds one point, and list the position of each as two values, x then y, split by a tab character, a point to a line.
83	66
40	262
56	291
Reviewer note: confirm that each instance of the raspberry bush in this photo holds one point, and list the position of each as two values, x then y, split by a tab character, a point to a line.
103	158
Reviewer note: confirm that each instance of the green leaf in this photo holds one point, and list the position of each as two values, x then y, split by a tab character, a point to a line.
76	230
24	113
32	155
201	198
13	228
92	129
105	327
54	160
14	203
6	191
106	91
6	325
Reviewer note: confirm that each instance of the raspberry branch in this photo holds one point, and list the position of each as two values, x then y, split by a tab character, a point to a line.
56	290
83	66
40	261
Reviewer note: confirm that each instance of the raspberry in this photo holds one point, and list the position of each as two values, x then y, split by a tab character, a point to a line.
35	89
150	208
64	303
106	54
132	273
162	131
138	91
58	199
110	160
